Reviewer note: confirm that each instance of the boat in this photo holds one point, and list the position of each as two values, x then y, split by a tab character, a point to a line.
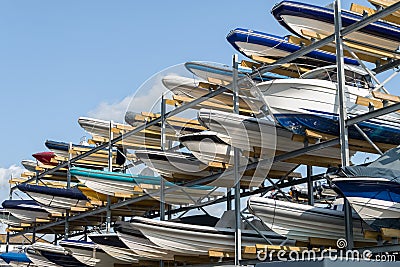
191	239
30	165
373	190
113	183
16	259
173	164
311	103
189	87
244	133
25	210
211	147
301	222
89	253
222	74
61	149
255	43
7	218
298	16
46	158
58	255
101	128
37	259
63	198
139	244
113	246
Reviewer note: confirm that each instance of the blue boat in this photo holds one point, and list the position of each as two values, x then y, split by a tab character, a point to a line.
63	198
373	190
14	257
25	210
297	16
254	43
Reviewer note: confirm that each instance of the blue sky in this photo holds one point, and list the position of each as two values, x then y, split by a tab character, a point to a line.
61	59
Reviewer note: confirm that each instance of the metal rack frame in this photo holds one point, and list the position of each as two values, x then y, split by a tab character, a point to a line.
342	140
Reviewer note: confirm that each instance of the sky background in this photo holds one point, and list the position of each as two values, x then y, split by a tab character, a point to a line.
63	59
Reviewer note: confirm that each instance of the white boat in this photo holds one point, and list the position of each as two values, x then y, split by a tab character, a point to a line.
300	222
101	128
311	102
113	246
139	244
193	239
209	147
89	253
173	164
7	218
38	260
244	133
189	87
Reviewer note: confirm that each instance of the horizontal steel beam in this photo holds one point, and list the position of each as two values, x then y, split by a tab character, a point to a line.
373	114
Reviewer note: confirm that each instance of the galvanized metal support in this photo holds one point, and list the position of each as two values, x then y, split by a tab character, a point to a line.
69	165
66	225
162	182
110	169
344	137
310	186
228	199
367	139
236	164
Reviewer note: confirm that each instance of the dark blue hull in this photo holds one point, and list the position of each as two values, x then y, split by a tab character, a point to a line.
62	260
329	124
279	43
378	28
369	190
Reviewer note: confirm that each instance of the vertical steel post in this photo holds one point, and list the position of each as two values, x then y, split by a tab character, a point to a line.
66	225
69	165
236	164
310	187
110	168
344	139
162	183
228	199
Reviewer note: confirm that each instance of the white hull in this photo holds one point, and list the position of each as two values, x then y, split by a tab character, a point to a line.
123	254
324	28
19	264
228	123
28	215
144	248
300	222
193	239
92	256
312	96
57	202
180	195
372	209
188	87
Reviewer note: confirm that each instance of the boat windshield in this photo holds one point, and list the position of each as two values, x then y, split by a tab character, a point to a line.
353	78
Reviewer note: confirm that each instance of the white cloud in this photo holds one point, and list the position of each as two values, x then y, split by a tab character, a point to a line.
111	111
6	173
146	98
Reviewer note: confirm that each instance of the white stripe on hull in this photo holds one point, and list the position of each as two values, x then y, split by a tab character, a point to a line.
40	261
